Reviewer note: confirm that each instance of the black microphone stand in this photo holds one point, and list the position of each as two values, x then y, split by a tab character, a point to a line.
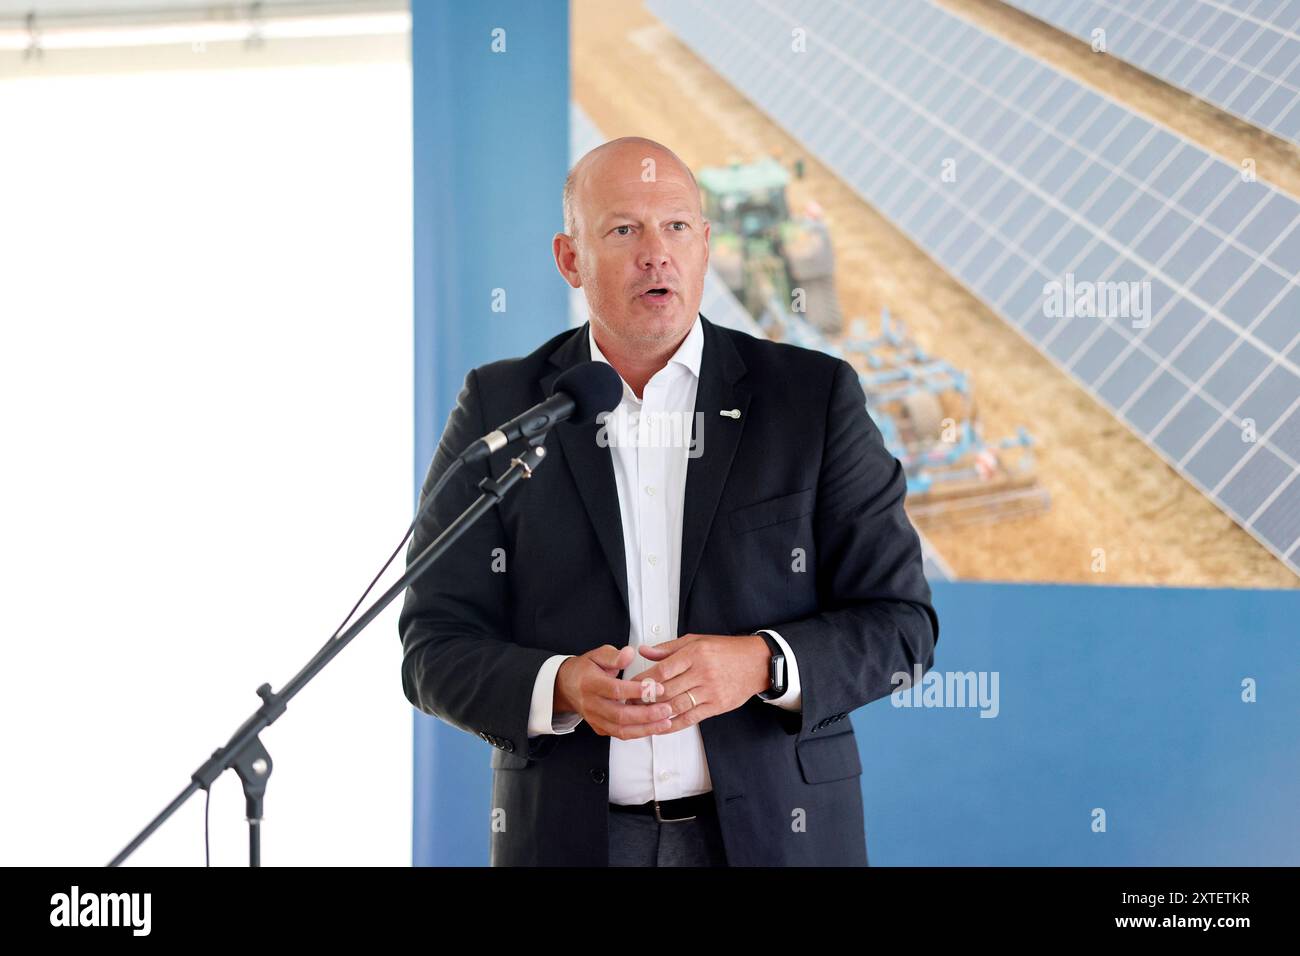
244	752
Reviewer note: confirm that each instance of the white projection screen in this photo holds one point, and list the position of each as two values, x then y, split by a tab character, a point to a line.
205	290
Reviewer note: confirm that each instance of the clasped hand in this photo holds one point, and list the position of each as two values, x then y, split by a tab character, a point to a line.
693	677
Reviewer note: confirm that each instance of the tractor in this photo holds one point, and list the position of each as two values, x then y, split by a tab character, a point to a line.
775	264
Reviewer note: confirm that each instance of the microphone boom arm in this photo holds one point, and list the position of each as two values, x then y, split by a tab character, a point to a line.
244	750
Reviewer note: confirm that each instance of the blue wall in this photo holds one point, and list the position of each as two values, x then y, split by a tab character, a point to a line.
491	142
1128	699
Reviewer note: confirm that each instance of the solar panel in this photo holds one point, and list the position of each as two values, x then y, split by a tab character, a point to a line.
1027	186
1242	55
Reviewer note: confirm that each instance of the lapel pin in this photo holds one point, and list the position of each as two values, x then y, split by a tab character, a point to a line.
730	412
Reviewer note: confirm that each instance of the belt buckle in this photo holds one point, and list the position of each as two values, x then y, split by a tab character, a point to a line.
663	819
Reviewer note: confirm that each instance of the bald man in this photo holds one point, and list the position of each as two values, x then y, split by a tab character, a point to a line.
696	591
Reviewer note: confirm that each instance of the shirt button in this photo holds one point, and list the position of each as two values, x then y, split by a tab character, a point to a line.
656	628
653	559
665	775
649	489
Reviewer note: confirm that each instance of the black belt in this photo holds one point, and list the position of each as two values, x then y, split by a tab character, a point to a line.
672	811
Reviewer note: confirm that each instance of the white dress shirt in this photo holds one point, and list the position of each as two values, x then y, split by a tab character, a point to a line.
650	470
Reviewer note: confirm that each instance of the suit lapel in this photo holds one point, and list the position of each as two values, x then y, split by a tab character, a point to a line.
721	370
592	465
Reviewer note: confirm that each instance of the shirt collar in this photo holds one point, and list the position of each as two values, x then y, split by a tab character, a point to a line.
687	354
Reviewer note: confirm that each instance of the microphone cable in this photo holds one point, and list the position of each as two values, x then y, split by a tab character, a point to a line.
429	499
455	466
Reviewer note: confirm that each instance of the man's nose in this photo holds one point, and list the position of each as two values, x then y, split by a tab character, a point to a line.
653	251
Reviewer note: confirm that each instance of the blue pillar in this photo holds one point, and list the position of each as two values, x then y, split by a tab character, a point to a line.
490	85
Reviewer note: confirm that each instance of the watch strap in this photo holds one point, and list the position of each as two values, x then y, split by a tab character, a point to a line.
776	669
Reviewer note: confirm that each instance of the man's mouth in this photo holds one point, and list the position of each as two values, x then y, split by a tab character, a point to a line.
659	293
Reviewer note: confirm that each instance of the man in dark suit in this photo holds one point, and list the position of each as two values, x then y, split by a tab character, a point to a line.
752	586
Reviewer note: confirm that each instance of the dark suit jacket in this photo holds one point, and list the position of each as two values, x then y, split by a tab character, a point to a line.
803	467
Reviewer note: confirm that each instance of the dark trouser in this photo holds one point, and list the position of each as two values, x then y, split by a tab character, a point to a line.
637	839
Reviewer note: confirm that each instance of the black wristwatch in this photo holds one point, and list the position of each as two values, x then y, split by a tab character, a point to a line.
776	670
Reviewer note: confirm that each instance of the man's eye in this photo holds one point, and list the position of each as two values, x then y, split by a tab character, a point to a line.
617	228
681	223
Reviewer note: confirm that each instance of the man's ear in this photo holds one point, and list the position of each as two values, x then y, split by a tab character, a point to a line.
566	256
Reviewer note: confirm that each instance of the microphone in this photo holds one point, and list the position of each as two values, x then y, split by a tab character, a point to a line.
580	394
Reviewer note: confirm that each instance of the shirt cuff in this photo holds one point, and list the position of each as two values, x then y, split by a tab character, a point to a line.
792	699
540	719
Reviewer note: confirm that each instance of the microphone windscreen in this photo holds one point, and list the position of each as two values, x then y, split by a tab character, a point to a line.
594	387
